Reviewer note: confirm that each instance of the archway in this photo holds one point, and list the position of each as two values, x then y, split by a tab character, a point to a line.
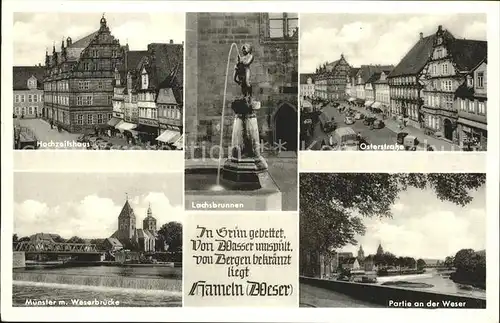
285	126
448	129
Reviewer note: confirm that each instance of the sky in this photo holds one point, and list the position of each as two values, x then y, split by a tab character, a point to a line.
88	204
36	32
375	39
425	227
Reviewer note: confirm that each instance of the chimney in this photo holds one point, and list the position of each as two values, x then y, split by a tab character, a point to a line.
171	41
421	35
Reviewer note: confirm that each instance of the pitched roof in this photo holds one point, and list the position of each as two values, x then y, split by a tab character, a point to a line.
374	77
305	76
127	211
353	71
349	261
21	75
42	236
414	61
114	242
468	53
366	71
85	41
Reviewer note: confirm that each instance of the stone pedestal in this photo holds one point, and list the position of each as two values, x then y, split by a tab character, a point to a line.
245	168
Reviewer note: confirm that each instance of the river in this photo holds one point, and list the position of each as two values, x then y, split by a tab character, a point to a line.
441	284
98	285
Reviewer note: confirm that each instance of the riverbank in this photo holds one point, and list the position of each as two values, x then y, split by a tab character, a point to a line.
466	281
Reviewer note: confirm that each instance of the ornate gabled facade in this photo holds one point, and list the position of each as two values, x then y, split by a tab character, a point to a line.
331	80
149	96
405	85
28	91
364	81
78	86
449	64
471	104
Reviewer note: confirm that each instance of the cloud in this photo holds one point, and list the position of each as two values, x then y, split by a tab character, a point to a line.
91	217
423	232
34	33
375	39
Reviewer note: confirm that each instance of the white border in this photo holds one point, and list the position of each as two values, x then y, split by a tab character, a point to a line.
309	162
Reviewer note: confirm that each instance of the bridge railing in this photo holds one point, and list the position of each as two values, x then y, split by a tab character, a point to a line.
43	246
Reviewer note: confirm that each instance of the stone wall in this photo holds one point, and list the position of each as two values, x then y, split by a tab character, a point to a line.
274	73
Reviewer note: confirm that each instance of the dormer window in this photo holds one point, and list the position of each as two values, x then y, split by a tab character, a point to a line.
32	82
439	40
145	79
470	81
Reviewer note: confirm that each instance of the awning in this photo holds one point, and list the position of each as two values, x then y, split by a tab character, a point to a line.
168	136
122	125
368	103
473	124
179	143
351	99
376	105
113	121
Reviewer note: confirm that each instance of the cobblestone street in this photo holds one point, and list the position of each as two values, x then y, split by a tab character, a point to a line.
45	135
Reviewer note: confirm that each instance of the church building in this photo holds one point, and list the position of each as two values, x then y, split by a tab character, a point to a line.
145	239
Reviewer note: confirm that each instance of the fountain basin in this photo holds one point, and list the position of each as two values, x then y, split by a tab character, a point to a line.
201	192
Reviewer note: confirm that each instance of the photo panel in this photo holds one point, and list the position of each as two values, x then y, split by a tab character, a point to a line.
393	240
241	260
393	82
241	111
98	81
114	240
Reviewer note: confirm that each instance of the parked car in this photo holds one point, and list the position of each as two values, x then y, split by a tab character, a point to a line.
368	121
400	137
411	143
377	124
349	120
359	116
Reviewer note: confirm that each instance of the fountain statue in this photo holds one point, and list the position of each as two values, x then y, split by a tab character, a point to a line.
246	167
243	176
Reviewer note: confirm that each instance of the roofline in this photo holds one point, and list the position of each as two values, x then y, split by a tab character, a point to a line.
484	60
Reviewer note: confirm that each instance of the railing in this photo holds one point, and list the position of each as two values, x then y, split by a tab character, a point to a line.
43	246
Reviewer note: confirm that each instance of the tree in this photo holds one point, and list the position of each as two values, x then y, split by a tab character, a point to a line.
334	204
57	238
14	238
99	243
75	239
389	259
464	260
421	264
448	261
171	234
24	239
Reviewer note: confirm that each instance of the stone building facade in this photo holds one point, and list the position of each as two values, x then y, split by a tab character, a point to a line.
307	85
405	85
450	62
364	81
471	104
28	91
78	87
274	76
331	80
351	83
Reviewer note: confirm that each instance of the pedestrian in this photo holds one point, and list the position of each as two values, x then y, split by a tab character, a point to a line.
51	124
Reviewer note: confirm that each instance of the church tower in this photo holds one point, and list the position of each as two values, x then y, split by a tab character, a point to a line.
361	253
126	221
380	250
149	222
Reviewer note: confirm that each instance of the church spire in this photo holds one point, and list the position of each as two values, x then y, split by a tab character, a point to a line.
150	213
